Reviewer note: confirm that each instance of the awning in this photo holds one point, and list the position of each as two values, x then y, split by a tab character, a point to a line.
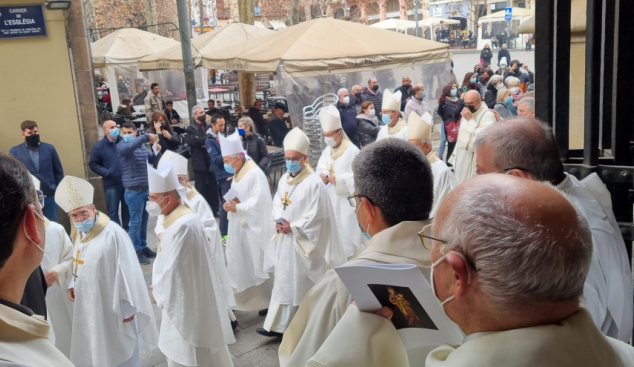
128	45
517	13
396	24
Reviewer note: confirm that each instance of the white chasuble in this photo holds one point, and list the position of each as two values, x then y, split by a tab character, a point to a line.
338	162
444	180
109	287
464	155
398	131
58	257
187	290
250	254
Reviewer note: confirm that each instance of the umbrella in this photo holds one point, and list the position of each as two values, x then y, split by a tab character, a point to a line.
127	45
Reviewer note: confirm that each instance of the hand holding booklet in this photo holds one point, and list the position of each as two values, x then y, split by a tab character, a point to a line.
418	316
233	194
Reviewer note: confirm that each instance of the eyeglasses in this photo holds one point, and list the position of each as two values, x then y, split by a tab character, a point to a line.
40	197
427	236
352	199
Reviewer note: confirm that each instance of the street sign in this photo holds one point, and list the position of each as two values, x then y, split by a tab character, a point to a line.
257	10
437	11
21	21
508	13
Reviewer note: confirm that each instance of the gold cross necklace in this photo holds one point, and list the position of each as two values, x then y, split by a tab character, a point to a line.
77	261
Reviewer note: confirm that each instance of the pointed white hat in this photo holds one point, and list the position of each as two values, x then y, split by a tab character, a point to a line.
419	128
330	119
230	145
36	182
179	162
391	101
163	179
296	140
73	192
504	61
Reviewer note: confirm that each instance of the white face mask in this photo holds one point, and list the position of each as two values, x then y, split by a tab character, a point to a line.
27	235
154	209
500	86
346	100
515	90
372	112
431	278
330	141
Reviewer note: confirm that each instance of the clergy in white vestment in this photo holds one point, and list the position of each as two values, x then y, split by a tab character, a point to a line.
195	329
525	147
394	125
475	118
307	243
419	133
112	313
510	257
392	211
335	169
200	206
250	253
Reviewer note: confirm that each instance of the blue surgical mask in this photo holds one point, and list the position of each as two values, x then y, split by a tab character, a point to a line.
114	133
454	92
128	138
229	168
365	233
502	67
293	166
85	226
386	119
422	96
241	132
509	100
473	80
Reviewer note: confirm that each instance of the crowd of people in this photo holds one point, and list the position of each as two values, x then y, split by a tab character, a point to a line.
527	260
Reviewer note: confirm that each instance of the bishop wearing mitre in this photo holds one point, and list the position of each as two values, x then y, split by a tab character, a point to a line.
112	315
307	242
335	170
394	125
199	205
250	254
56	267
195	329
419	133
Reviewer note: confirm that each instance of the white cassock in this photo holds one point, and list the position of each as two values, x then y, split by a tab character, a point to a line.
398	131
607	292
109	287
58	257
464	155
195	330
306	253
250	254
338	162
444	180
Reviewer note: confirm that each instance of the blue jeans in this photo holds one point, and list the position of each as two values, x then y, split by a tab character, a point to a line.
223	186
114	197
50	208
136	200
443	141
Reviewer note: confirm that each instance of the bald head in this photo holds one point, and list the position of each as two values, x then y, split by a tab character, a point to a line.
472	96
108	127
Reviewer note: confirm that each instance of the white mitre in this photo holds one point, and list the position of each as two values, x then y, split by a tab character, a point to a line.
330	119
36	182
73	192
419	129
179	162
296	140
230	145
163	179
391	101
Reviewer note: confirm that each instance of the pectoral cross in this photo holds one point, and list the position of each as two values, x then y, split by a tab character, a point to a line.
285	201
77	262
331	171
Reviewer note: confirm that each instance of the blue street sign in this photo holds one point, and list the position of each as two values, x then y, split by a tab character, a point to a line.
257	10
21	21
508	13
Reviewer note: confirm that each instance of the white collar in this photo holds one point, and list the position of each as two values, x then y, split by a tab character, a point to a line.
475	336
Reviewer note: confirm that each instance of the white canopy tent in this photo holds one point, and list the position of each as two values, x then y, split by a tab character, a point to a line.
395	24
490	25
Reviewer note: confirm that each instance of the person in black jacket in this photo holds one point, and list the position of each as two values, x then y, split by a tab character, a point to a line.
503	53
491	94
168	139
406	91
367	124
140	97
253	143
486	54
449	109
205	181
172	115
278	127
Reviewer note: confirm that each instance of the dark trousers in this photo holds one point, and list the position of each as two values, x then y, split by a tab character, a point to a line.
114	197
223	187
207	186
50	208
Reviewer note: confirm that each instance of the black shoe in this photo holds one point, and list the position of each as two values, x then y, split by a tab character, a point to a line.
143	260
234	324
264	332
263	312
149	253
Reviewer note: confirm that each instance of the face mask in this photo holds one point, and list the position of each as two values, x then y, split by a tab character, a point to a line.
431	280
32	141
358	95
154	209
375	87
422	95
241	132
85	226
365	233
128	138
509	100
27	235
454	92
330	141
473	80
346	100
229	168
499	86
473	109
293	166
502	67
114	133
386	119
372	112
515	90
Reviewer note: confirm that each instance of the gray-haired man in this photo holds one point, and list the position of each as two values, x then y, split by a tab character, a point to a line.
526	107
348	116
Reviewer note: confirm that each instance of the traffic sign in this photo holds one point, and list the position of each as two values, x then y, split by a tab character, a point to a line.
257	10
508	13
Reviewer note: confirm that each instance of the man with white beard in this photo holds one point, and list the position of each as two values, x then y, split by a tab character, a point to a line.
250	254
112	310
195	330
307	243
335	169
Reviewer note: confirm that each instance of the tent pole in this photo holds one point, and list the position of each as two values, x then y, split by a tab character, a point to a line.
246	81
188	64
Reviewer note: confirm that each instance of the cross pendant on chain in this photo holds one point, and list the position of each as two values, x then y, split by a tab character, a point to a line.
285	200
77	262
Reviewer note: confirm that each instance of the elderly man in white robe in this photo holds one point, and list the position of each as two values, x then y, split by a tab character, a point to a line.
335	170
202	209
307	243
510	257
392	211
419	134
394	125
525	147
475	118
112	313
195	329
250	254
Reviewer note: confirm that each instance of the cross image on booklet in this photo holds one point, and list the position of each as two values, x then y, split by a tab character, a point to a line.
417	314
